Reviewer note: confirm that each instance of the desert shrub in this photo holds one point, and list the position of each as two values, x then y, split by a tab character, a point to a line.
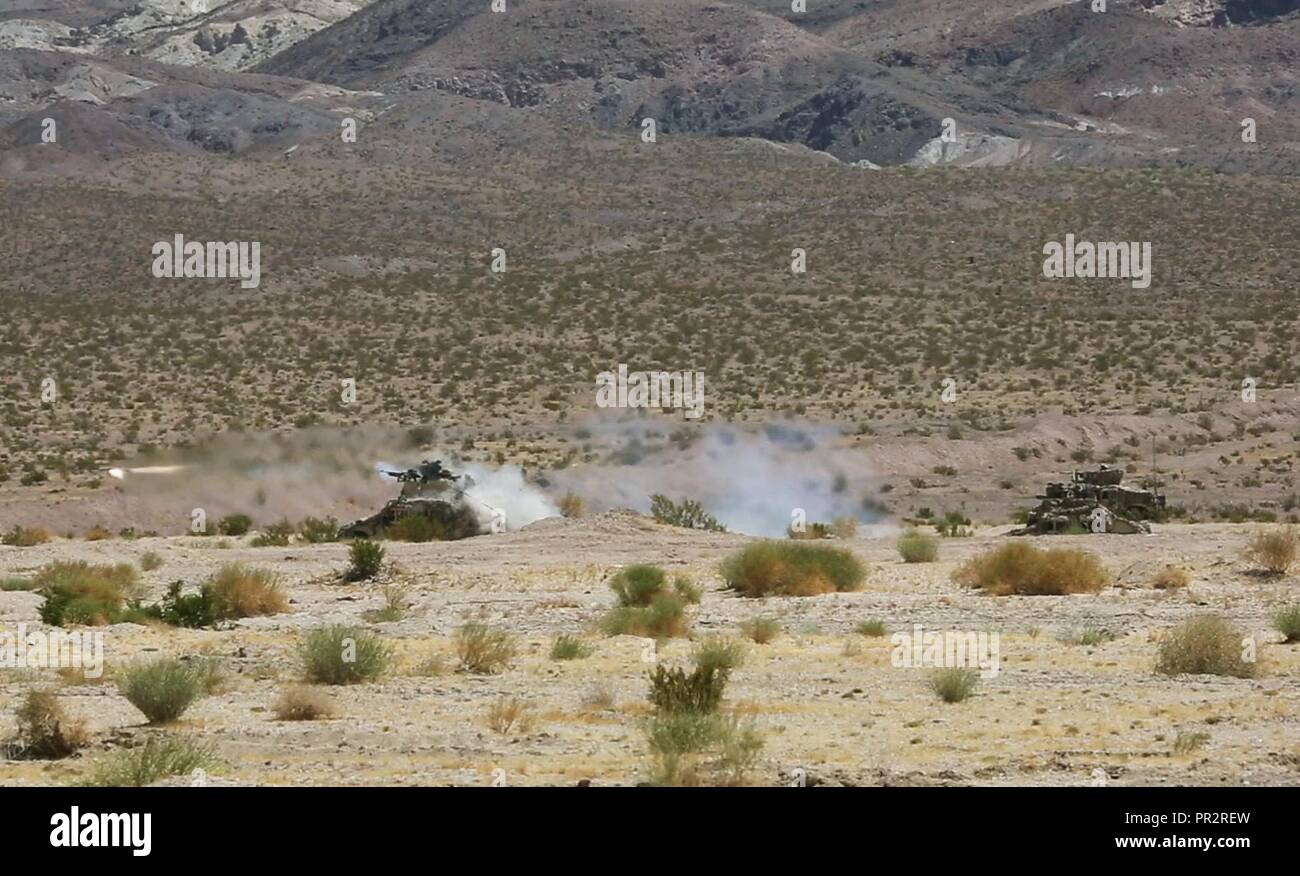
150	561
316	531
954	684
873	628
1088	636
484	650
185	610
571	505
691	749
568	647
1275	550
1170	578
687	590
162	689
159	757
275	535
235	524
638	584
676	690
1022	569
394	609
844	527
719	653
1187	742
1287	622
688	513
953	524
243	591
915	546
44	729
1204	645
761	630
663	618
341	654
97	533
507	713
81	593
301	702
25	536
792	569
16	583
366	558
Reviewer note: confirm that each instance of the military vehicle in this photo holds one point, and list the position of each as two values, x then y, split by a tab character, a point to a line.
1094	501
435	494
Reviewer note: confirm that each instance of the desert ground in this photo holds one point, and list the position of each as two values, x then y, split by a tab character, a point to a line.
830	707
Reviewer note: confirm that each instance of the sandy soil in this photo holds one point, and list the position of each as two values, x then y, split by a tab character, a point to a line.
828	701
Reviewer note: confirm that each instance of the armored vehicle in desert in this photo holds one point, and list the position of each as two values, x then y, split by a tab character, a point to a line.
436	498
1094	501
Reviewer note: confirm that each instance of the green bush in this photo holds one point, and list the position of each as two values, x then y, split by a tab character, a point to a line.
638	584
663	618
341	654
719	653
1204	645
915	546
675	690
691	749
316	531
796	568
761	630
81	593
275	535
367	557
1287	622
954	685
162	689
688	513
568	647
873	628
235	524
159	757
484	650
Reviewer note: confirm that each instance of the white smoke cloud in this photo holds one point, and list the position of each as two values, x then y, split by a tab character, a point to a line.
506	490
752	480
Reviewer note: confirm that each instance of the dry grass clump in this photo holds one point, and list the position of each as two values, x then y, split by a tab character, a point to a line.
159	757
1021	569
97	533
484	650
571	505
150	560
302	703
242	591
1275	550
510	712
1170	578
1206	645
44	729
783	568
663	618
761	630
25	536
